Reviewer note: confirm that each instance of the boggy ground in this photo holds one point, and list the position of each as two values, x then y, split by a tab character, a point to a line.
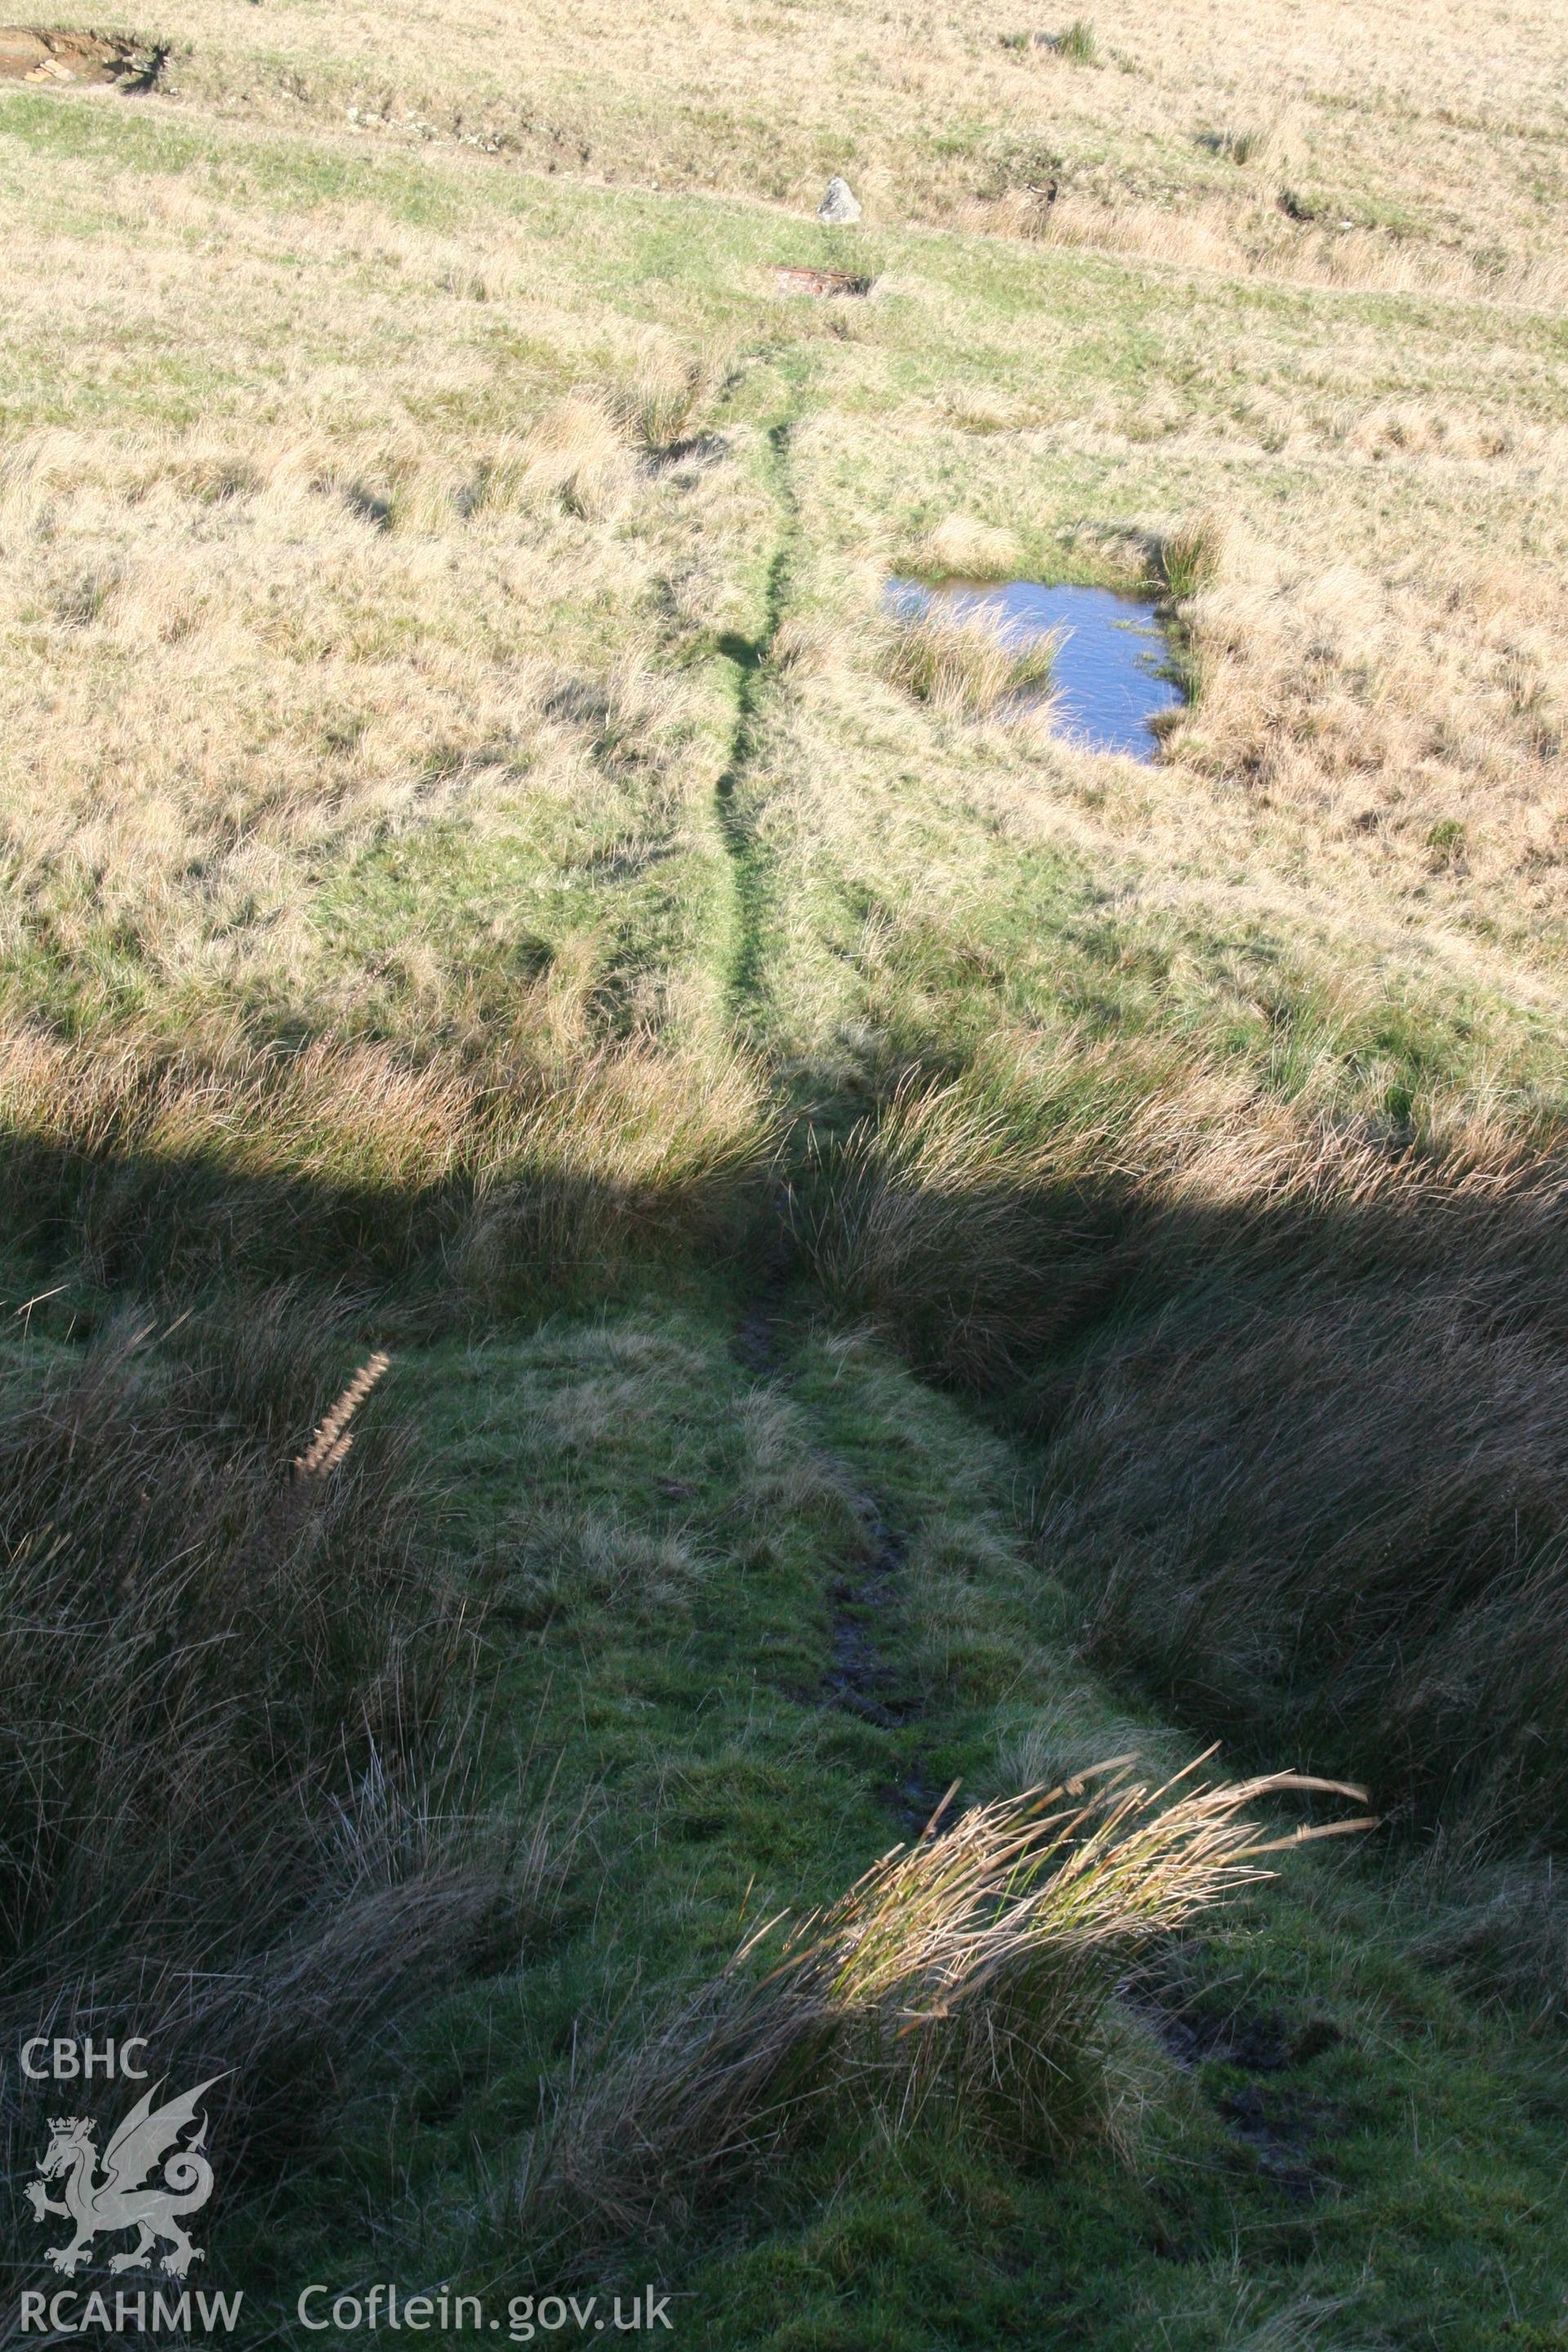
909	1255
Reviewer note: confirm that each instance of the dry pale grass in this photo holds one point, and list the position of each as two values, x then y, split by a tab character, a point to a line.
971	1973
237	664
150	1159
1260	239
1409	726
960	547
1391	147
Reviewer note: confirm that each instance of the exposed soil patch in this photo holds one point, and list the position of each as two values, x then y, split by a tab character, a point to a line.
858	1679
1280	2125
790	279
1278	2122
914	1797
33	54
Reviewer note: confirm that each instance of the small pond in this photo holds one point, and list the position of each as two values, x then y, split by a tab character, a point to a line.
1111	677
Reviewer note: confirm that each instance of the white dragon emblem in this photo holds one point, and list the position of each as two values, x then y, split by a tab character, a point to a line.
117	2198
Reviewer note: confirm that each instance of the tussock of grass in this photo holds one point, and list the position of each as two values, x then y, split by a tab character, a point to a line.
1192	556
1077	45
1375	1549
561	1565
962	546
669	393
929	1219
971	1972
576	453
963	668
1246	143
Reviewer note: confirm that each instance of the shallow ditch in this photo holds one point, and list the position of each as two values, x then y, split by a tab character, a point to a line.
1112	677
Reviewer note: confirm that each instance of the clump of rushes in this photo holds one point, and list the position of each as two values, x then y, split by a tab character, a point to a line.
1192	555
959	668
974	1971
1078	45
667	395
1248	145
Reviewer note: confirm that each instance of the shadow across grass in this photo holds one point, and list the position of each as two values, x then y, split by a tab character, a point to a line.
1301	1440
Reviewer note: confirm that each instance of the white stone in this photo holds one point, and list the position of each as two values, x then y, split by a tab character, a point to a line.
838	207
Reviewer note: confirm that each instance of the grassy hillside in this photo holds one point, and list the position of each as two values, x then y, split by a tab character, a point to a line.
887	1258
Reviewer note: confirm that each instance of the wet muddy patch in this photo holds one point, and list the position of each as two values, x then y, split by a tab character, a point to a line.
1286	2125
48	59
1110	673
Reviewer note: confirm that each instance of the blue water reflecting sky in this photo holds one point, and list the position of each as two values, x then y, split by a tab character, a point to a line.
1107	676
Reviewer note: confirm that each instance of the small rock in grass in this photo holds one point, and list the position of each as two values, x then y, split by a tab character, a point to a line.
838	207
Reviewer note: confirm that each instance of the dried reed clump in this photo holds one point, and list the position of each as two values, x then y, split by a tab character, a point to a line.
963	668
972	1972
1192	557
806	644
333	1436
981	1220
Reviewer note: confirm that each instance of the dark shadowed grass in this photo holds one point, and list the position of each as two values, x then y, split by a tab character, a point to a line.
1300	1392
238	1726
360	1160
